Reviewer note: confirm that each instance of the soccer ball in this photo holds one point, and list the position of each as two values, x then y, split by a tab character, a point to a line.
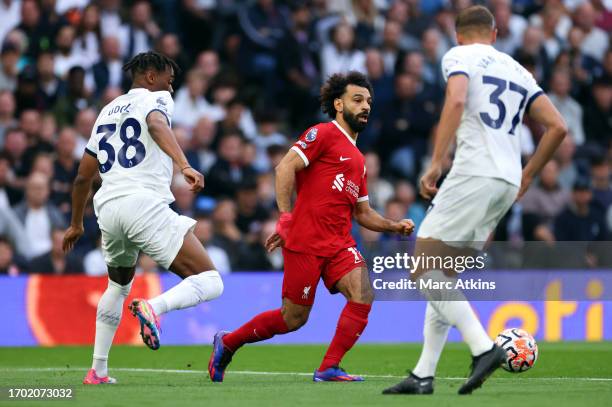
521	349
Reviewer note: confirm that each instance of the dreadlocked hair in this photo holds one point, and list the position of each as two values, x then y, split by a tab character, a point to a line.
335	86
150	60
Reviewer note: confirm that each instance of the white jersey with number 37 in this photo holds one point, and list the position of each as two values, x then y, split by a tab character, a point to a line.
130	161
500	91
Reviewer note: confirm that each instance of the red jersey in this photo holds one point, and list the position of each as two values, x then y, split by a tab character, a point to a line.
328	189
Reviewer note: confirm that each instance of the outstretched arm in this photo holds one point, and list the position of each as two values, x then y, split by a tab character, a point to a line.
81	188
370	219
544	112
165	139
450	119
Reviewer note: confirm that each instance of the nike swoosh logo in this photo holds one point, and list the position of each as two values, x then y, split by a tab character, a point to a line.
344	159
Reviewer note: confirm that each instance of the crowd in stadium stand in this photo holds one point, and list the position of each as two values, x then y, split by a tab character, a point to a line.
251	73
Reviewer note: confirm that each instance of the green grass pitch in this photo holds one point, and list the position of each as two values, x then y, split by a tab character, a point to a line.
567	374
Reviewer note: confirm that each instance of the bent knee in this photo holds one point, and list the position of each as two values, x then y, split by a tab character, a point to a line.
208	285
295	319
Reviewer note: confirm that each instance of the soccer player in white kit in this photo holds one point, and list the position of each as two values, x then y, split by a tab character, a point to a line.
133	148
487	94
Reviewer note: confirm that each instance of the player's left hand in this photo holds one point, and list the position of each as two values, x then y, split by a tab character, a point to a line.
194	178
273	241
71	236
405	227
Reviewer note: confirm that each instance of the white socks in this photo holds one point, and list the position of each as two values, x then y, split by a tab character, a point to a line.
435	332
191	291
448	307
108	316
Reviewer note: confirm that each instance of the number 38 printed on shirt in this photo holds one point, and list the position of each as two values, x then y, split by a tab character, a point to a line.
128	141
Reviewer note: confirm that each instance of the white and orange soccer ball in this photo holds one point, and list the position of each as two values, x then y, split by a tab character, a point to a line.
521	349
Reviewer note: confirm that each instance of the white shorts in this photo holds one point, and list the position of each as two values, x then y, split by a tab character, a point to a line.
467	209
137	223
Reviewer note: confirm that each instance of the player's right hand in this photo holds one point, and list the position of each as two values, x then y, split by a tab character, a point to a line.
194	178
71	236
428	188
273	241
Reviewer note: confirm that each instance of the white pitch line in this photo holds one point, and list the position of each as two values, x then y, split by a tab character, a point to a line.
259	373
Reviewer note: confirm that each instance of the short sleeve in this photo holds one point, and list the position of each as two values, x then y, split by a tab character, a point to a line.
454	63
92	144
160	102
533	89
310	145
363	187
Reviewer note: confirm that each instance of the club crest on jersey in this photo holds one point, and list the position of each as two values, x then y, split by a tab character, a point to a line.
302	144
312	135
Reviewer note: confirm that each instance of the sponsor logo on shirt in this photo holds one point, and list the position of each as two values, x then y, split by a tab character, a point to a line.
312	135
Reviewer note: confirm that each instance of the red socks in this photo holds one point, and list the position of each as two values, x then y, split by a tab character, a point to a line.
262	327
351	324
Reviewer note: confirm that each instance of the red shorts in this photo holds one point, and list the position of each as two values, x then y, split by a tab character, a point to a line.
303	271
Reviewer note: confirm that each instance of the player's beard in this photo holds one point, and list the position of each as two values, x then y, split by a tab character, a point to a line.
353	121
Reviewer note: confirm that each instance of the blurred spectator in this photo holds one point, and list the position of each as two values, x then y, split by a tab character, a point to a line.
30	122
250	212
139	34
13	230
432	74
39	34
542	203
228	172
267	135
509	26
49	84
406	194
532	46
10	16
7	113
226	234
9	194
75	99
299	63
581	220
94	263
38	215
15	145
110	20
83	125
208	63
88	36
560	85
379	190
65	56
568	171
8	265
65	170
266	195
170	45
201	155
390	46
598	113
553	42
108	71
253	255
595	42
184	197
340	54
55	261
204	232
600	181
9	57
190	104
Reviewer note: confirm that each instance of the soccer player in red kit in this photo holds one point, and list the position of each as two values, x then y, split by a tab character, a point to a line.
329	174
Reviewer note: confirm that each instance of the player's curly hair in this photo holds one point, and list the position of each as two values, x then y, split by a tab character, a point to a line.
335	86
150	60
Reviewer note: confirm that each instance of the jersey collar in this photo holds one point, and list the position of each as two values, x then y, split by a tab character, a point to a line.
344	132
138	90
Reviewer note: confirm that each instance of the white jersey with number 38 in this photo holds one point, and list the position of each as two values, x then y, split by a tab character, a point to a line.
500	91
130	161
